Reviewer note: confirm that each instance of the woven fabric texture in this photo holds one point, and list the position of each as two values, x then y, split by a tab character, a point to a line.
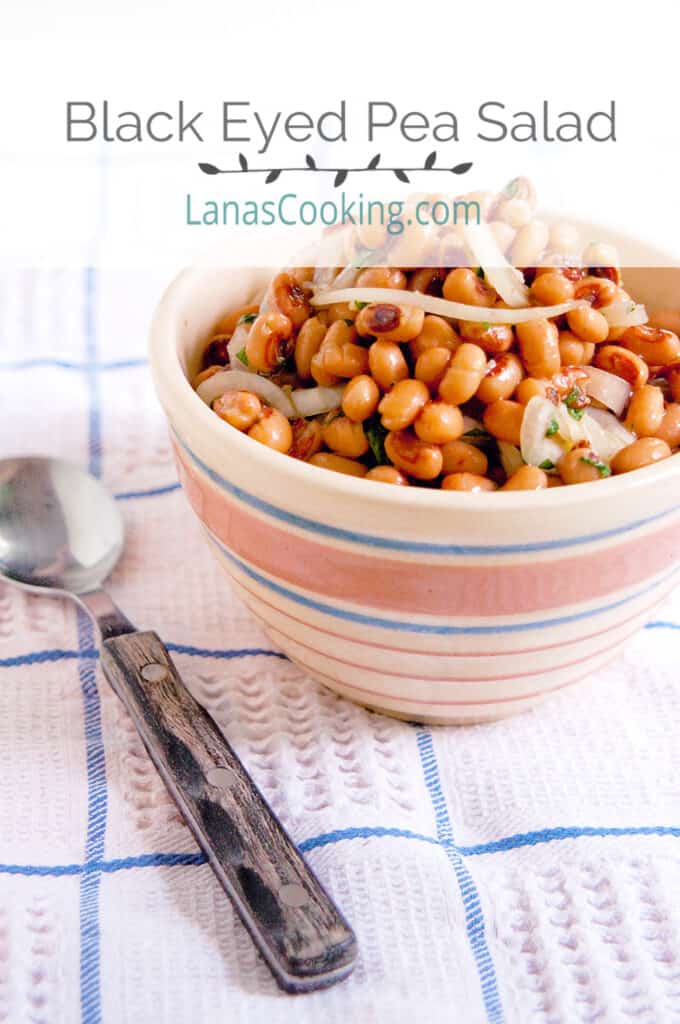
524	871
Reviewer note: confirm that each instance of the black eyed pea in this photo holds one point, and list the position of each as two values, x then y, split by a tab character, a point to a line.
360	398
387	475
526	478
573	351
400	406
241	409
289	298
382	277
551	289
461	457
338	464
431	365
307	438
493	338
656	346
272	430
269	342
503	419
539	347
439	423
669	431
436	333
389	322
582	465
643	452
529	244
412	456
344	437
598	291
464	375
467	482
308	343
387	363
463	285
588	324
502	376
645	411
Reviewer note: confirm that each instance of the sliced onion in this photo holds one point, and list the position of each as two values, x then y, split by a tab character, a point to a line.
569	429
241	380
347	277
442	307
324	276
511	457
508	282
607	435
313	401
536	448
624	313
237	343
607	388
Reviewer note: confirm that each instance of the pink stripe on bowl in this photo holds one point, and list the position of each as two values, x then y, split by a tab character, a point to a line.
363	578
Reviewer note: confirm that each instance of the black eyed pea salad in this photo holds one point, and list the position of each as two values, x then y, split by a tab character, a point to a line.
476	377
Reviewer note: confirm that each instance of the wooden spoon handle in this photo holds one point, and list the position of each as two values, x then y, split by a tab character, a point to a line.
300	933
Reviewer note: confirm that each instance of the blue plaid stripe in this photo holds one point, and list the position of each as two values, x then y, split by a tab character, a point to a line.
60	654
87	366
90	882
363	833
90	996
474	916
151	492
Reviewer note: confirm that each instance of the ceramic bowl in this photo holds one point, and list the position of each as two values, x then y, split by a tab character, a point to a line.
434	606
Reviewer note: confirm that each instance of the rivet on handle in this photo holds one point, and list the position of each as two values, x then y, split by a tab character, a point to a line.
219	776
293	895
154	672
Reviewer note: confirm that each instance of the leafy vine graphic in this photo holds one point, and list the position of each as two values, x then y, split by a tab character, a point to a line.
341	173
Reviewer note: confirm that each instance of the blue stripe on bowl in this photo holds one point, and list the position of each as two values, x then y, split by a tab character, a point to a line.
414	547
429	628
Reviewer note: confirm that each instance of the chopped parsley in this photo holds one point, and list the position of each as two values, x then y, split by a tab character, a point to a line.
476	432
243	357
575	402
486	326
376	434
247	318
360	305
479	271
350	323
601	467
512	188
553	427
546	464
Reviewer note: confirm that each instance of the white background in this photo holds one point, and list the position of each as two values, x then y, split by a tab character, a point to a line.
425	57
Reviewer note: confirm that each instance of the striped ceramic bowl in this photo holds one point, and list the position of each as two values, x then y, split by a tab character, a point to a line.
429	605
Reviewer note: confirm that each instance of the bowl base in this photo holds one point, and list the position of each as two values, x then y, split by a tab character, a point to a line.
475	716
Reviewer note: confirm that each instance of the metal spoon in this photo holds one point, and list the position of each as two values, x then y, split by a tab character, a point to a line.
61	533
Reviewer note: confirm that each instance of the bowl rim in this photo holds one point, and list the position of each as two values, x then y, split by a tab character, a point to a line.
175	391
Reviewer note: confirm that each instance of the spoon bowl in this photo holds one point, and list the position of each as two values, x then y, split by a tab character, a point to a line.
60	528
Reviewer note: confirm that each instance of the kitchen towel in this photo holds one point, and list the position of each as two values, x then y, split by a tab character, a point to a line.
522	871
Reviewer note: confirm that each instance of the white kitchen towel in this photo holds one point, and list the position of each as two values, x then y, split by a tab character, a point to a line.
524	871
